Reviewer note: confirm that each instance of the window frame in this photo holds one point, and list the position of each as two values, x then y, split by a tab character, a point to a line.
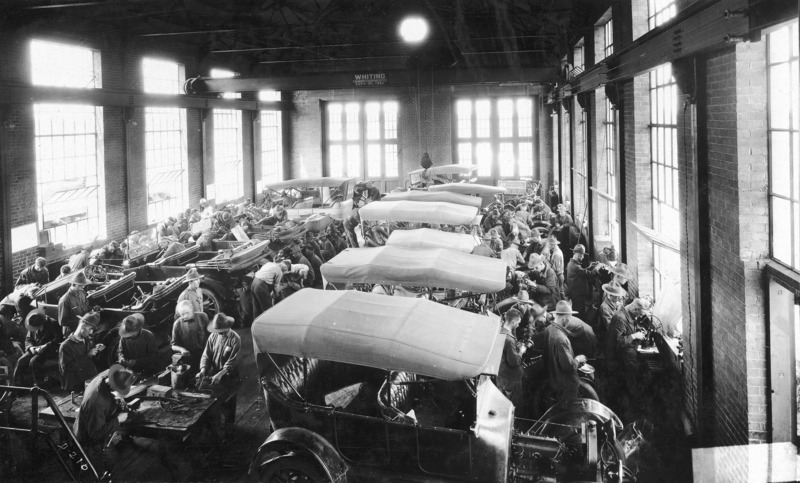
222	196
74	191
793	131
494	138
362	142
659	16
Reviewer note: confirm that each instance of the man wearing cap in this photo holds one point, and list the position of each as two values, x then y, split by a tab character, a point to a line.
561	362
544	283
36	273
164	228
509	376
189	334
556	259
221	354
41	346
76	353
536	244
138	350
577	281
97	426
621	344
80	259
193	294
73	304
265	286
613	298
624	277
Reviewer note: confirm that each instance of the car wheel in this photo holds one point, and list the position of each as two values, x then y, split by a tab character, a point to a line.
111	350
212	303
292	469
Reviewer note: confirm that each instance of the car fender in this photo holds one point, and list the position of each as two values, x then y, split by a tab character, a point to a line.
286	441
224	292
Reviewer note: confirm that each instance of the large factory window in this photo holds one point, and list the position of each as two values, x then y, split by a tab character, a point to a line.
784	144
610	165
228	167
165	142
579	169
664	172
496	135
608	38
271	140
660	12
69	146
362	139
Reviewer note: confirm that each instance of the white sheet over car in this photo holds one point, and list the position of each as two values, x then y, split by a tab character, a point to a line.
392	333
438	212
468	189
430	238
417	267
306	183
447	170
445	196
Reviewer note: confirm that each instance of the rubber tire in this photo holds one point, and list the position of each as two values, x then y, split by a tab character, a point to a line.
211	302
309	471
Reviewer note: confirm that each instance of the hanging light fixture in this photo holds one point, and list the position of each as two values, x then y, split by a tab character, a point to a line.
414	29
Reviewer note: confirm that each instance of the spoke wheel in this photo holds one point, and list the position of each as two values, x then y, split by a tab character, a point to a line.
212	303
292	469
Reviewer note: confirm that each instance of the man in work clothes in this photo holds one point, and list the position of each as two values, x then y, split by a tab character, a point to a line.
193	294
36	273
73	305
138	350
76	353
561	362
509	376
265	285
41	345
189	334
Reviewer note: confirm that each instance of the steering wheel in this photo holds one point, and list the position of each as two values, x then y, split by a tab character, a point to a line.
95	273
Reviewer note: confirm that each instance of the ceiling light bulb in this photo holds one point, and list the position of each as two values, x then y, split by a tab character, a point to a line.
414	29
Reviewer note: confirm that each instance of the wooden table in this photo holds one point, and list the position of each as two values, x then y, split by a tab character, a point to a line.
155	421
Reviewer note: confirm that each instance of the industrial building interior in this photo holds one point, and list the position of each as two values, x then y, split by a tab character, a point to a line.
669	129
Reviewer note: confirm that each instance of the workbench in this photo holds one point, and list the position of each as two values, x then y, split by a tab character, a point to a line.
165	418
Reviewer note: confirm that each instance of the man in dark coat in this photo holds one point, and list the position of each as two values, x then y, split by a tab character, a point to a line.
41	346
561	362
189	334
76	353
577	282
138	350
509	376
543	285
36	273
97	426
622	341
73	304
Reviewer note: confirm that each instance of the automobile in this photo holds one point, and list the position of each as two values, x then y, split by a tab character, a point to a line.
449	173
486	193
115	294
302	197
365	387
453	277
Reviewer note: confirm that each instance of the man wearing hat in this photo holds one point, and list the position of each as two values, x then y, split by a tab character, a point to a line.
544	283
560	360
536	244
265	286
189	334
509	376
41	346
36	273
76	353
97	426
193	294
613	299
624	277
138	350
485	248
221	354
577	281
73	304
561	218
622	341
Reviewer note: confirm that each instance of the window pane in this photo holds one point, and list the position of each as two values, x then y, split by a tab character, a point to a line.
525	117
390	120
796	235
335	160
525	159
374	160
465	153
505	114
271	147
354	160
162	76
505	159
781	230
335	122
391	161
373	113
780	94
464	115
228	168
780	46
166	162
483	155
351	113
483	110
60	65
781	159
269	95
